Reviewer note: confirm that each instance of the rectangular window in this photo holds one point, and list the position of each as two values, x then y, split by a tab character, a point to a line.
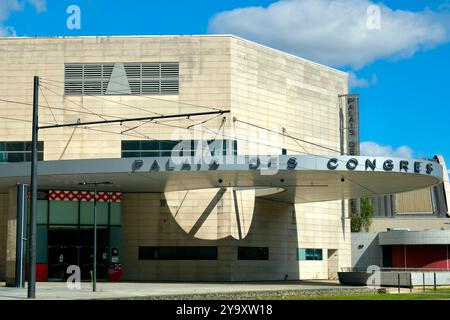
121	78
253	253
178	253
19	151
309	254
163	148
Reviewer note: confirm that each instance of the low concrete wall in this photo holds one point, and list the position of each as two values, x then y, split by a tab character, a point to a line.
391	278
427	278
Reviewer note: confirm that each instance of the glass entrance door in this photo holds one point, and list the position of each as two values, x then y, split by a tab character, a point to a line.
62	251
74	246
87	252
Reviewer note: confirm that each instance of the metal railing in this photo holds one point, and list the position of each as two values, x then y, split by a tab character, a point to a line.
364	269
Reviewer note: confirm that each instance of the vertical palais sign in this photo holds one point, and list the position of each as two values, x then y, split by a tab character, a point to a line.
353	124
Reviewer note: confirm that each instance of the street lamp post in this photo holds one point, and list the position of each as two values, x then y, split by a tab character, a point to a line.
95	184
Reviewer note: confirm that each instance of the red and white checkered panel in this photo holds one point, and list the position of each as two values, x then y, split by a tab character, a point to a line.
63	195
60	195
116	197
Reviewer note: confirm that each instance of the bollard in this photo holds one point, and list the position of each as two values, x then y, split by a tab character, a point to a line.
410	282
398	282
434	276
423	280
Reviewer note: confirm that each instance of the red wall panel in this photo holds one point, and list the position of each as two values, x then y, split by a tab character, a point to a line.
41	272
420	256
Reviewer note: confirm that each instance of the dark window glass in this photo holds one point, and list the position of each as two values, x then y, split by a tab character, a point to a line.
150	154
16	157
130	145
15	146
178	253
63	237
19	151
309	254
131	154
253	253
168	144
164	148
149	145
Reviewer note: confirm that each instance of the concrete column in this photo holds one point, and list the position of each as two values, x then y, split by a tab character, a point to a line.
11	233
3	214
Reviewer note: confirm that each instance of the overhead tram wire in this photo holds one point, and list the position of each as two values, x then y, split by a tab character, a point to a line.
190	128
63	109
128	129
224	119
84	112
148	138
104	99
187	118
48	105
93	113
81	106
55	108
161	123
298	139
227	136
362	186
127	105
147	97
80	127
283	134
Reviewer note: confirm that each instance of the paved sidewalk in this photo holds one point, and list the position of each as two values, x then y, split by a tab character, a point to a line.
105	290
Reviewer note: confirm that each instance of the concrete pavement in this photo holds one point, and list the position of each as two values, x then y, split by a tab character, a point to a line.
152	290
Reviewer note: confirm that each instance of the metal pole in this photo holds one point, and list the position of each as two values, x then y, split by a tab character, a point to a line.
32	247
410	282
94	284
21	234
434	275
398	282
423	280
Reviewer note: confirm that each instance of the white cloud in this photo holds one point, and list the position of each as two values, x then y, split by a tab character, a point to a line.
335	32
7	32
40	5
355	82
9	6
370	148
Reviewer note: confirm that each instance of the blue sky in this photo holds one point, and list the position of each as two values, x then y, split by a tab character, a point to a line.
401	72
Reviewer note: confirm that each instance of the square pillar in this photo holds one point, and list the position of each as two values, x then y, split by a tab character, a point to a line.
11	234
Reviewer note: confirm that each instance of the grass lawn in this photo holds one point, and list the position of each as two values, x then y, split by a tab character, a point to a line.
440	294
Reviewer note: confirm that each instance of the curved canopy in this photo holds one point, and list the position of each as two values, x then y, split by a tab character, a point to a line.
304	178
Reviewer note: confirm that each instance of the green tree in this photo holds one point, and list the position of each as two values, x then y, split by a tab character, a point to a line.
363	220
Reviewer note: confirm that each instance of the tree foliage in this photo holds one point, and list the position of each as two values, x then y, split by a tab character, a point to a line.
363	220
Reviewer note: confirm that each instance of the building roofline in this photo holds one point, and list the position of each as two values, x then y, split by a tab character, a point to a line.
187	35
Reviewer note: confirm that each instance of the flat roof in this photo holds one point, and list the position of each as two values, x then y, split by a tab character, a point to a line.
200	35
417	237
